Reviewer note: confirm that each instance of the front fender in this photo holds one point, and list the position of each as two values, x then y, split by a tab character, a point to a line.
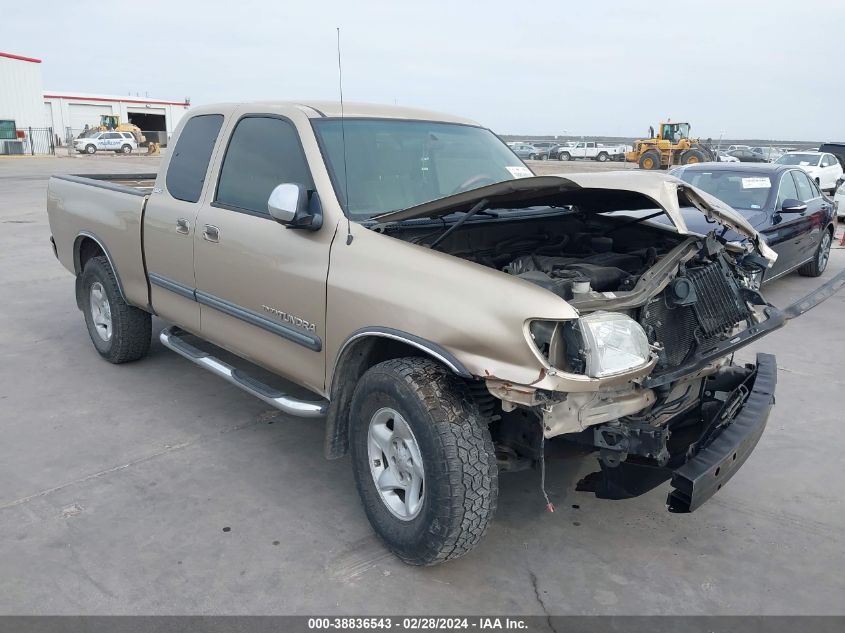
474	313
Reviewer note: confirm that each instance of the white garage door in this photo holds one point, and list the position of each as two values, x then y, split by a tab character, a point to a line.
85	114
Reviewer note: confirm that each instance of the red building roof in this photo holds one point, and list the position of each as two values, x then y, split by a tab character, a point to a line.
20	58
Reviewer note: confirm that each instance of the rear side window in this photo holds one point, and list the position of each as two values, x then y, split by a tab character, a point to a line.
805	188
127	135
187	169
263	153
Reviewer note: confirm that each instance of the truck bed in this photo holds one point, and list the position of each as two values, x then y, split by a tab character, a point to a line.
136	184
107	209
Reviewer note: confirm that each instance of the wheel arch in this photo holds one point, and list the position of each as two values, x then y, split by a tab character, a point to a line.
363	349
85	246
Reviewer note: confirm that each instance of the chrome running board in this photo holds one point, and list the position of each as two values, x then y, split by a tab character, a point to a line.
173	338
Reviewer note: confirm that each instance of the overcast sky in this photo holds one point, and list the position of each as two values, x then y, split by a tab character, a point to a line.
753	69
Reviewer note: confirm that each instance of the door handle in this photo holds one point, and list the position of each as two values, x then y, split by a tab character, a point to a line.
211	233
183	226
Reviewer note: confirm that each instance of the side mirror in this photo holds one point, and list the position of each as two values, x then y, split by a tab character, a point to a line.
289	204
791	205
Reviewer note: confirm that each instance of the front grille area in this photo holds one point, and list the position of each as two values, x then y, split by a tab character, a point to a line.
681	329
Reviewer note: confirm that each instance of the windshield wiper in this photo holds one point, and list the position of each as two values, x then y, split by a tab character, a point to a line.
477	208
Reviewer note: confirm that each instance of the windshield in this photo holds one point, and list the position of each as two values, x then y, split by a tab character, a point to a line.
799	159
738	189
392	165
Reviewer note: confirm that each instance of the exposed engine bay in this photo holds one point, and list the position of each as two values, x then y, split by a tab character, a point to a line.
643	374
689	294
600	263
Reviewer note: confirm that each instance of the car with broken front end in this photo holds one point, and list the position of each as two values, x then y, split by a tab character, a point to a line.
447	314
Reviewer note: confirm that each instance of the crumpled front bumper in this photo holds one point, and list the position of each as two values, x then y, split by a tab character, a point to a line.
709	469
698	477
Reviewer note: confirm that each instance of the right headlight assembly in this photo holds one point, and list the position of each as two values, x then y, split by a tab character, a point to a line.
613	343
599	344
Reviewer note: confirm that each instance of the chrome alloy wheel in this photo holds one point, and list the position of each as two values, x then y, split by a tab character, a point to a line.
100	311
396	464
824	251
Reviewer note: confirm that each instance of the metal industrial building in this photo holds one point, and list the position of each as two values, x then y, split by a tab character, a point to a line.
33	121
64	110
21	104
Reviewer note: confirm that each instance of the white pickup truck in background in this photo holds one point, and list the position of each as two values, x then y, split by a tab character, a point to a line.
592	150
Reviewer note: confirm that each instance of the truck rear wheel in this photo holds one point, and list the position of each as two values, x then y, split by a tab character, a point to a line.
120	332
602	157
650	160
423	460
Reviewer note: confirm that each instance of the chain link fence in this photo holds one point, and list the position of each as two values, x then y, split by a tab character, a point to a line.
28	141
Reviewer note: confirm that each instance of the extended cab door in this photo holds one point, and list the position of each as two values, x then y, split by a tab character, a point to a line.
170	221
262	287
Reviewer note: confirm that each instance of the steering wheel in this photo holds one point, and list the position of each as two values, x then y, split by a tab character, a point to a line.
474	182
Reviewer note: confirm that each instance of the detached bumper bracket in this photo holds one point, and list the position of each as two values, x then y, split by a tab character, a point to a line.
703	475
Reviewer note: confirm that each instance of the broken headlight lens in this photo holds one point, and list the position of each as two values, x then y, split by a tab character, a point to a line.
613	343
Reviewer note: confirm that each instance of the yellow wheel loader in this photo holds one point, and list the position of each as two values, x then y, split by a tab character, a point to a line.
671	145
111	123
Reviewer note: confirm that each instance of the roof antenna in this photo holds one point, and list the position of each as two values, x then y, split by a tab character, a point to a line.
343	138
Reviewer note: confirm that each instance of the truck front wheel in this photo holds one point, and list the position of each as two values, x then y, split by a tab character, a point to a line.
423	460
120	332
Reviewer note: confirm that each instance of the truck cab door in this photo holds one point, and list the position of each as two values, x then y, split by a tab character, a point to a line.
170	221
261	286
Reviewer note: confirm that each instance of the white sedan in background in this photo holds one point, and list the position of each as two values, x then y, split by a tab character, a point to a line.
822	167
123	142
839	202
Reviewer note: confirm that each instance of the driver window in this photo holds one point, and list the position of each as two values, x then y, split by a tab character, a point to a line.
263	152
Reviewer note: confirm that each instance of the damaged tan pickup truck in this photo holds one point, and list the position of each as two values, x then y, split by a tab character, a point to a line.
449	315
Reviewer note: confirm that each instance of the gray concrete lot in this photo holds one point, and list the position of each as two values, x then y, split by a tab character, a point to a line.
155	487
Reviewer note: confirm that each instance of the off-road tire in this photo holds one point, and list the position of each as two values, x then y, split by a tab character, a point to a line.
126	149
693	156
818	264
602	157
131	327
650	158
461	476
90	149
564	156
